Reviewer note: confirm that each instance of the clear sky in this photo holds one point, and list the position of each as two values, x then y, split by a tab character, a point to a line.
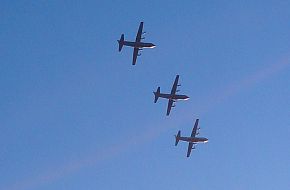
75	114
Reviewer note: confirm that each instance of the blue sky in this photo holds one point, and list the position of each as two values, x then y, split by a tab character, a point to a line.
75	114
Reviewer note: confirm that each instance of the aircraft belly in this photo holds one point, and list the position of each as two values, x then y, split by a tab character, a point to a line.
144	45
138	45
181	97
187	139
193	140
164	96
131	44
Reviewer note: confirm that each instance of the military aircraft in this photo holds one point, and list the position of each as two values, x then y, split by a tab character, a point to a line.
192	140
172	97
137	45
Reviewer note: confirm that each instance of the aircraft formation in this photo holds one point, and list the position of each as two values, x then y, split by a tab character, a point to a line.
172	97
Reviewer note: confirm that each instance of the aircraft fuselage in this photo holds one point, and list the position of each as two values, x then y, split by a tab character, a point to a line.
173	96
194	139
138	44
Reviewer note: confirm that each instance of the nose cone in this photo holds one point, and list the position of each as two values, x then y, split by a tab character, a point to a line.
205	140
153	45
186	97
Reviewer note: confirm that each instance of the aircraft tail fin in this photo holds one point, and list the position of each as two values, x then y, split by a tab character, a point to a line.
157	93
177	137
121	42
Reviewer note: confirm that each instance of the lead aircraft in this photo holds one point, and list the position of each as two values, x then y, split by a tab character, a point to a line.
192	140
172	97
137	44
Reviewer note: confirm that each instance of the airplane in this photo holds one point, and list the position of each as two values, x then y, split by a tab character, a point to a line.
192	140
137	44
172	97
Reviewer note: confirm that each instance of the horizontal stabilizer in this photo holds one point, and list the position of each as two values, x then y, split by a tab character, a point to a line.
121	42
177	137
157	94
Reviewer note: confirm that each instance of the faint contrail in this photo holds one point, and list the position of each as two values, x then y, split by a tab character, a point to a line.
152	133
91	160
213	100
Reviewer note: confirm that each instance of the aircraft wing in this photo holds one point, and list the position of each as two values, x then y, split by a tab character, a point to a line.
175	84
135	55
195	128
169	106
190	145
139	34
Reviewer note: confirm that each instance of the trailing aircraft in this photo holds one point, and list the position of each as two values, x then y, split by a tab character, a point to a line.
192	140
